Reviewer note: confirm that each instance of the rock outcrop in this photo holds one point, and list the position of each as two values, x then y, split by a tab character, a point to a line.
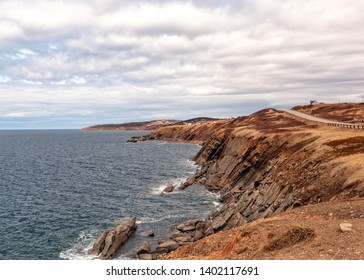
106	246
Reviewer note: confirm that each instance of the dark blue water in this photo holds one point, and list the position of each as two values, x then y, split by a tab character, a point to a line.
60	189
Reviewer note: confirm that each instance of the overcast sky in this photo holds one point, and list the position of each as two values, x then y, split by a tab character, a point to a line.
74	63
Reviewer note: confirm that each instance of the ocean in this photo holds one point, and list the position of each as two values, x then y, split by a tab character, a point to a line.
60	189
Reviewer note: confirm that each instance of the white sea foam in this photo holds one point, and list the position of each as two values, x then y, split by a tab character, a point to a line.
151	220
191	163
158	189
148	220
79	250
217	205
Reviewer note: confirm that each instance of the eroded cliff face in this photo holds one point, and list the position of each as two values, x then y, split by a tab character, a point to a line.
269	163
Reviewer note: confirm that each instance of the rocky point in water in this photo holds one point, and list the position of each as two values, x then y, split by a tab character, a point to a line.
106	246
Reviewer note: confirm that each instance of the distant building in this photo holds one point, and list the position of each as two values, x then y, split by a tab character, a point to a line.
314	102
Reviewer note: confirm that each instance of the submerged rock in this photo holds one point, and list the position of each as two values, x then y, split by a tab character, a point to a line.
106	246
169	188
190	181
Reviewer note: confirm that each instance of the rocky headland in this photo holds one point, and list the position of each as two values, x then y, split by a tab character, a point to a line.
291	189
148	125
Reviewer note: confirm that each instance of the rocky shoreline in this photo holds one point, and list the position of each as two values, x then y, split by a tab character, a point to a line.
263	165
110	241
181	234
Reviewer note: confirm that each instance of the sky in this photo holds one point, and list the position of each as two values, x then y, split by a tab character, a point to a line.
71	64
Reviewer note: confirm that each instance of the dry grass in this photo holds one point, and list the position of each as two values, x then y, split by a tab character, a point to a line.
291	237
347	146
318	237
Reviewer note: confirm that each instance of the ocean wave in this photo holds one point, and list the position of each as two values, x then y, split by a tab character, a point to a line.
80	250
191	163
158	189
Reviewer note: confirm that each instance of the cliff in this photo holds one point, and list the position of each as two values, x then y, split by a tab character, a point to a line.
271	164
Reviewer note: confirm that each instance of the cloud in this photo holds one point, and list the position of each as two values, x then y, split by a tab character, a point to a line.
15	115
78	80
32	82
131	60
4	79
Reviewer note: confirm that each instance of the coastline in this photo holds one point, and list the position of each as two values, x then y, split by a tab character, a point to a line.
264	166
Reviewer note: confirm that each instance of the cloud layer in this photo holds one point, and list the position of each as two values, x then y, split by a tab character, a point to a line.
75	63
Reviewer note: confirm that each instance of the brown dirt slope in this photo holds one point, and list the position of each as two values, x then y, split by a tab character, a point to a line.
345	112
309	232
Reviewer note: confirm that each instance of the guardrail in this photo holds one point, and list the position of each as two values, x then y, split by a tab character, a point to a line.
348	126
324	121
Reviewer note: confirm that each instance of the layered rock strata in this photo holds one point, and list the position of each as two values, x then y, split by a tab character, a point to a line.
106	246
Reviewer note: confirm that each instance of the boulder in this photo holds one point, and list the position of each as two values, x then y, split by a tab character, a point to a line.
183	240
188	226
191	180
175	234
146	257
345	227
148	233
198	235
182	186
201	181
188	183
169	188
106	246
166	247
144	248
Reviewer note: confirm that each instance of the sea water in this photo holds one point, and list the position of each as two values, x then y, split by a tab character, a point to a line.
60	189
